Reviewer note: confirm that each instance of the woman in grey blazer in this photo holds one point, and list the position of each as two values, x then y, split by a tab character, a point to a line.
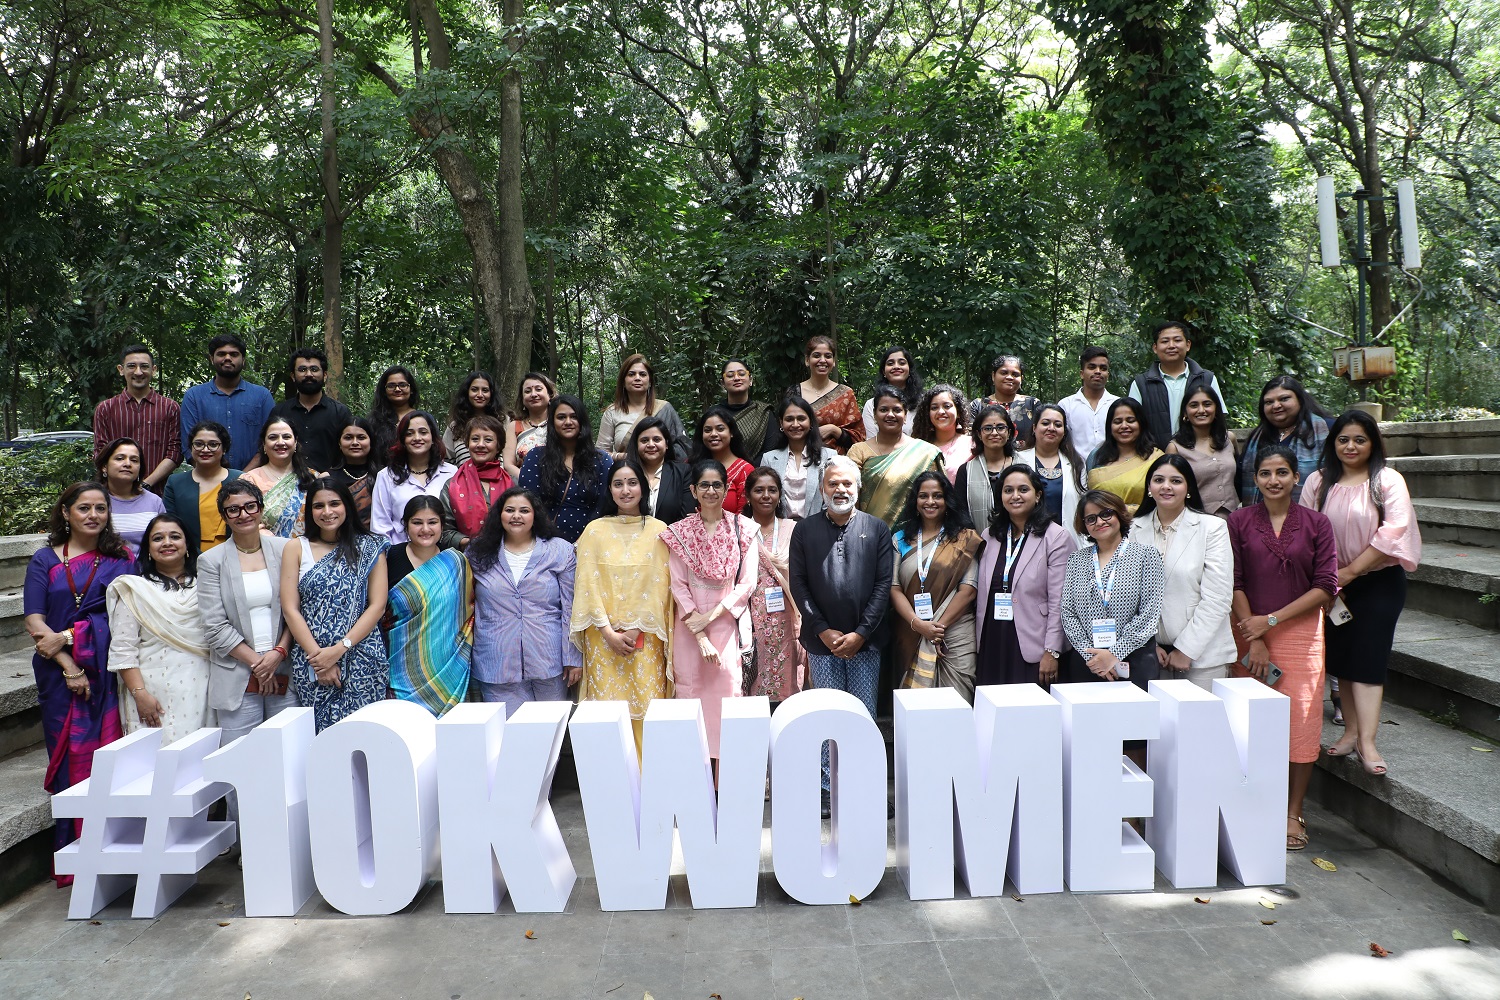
239	595
800	463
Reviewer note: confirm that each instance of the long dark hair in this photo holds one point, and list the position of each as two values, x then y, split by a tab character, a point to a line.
607	505
1307	409
1065	447
1038	520
954	520
484	550
462	411
921	425
110	543
622	395
585	457
912	391
765	472
101	464
1218	430
1109	451
381	410
399	463
1182	465
736	439
299	461
350	532
146	566
1332	468
994	410
814	444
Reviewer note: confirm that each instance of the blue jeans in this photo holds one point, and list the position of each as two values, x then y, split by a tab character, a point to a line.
859	675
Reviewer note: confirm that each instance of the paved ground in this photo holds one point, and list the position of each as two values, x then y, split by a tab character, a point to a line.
1160	944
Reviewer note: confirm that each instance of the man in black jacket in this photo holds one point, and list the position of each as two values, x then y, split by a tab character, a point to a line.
1174	377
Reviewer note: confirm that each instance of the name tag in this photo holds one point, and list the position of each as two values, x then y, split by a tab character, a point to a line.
775	600
1340	614
1103	630
922	604
1005	608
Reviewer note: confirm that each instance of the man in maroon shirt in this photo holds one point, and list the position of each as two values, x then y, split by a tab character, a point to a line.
142	414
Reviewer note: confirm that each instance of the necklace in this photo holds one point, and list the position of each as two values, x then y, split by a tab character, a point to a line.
78	595
1055	472
248	552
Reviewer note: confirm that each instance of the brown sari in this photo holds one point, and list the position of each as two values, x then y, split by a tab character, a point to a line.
920	663
838	406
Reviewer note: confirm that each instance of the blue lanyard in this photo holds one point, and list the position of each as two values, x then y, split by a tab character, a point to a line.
1106	585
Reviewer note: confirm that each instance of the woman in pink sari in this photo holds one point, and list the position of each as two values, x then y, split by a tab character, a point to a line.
713	563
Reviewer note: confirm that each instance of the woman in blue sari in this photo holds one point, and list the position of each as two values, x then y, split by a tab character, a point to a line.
333	593
431	627
67	621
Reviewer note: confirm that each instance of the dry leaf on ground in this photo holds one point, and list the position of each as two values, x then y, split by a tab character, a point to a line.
1200	899
1459	935
1325	864
1267	923
1378	951
854	900
1483	749
1268	904
223	923
531	935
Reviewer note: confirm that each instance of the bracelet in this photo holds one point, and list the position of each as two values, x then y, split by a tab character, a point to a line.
281	650
138	690
72	677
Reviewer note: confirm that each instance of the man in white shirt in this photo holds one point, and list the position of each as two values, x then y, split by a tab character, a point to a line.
1089	406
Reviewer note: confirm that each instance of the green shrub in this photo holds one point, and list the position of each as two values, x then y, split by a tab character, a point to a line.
31	480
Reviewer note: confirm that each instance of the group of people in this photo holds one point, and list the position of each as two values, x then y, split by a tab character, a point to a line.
917	539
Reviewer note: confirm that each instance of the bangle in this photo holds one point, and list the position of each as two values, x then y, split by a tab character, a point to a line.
72	677
138	690
281	650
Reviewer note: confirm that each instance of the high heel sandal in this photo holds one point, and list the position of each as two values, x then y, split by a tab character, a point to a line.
1334	751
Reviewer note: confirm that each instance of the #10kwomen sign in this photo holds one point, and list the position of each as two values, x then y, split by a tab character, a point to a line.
1024	785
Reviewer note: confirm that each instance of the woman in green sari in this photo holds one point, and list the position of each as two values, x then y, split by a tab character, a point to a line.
889	464
1119	465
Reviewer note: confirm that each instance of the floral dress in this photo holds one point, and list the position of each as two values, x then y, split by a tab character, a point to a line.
780	665
333	595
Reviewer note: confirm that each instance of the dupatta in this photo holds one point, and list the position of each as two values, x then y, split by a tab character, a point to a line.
917	657
466	491
432	637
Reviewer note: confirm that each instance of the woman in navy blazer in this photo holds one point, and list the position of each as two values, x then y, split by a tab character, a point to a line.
1020	634
523	601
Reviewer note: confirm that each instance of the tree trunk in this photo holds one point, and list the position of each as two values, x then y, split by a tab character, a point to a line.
517	307
333	218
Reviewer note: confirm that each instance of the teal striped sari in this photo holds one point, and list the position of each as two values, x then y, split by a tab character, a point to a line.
433	632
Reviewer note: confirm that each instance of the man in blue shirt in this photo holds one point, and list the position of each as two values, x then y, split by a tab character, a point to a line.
241	406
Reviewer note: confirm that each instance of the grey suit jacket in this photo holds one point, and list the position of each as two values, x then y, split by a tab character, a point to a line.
778	460
226	617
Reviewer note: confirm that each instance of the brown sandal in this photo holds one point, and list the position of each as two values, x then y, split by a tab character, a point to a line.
1297	841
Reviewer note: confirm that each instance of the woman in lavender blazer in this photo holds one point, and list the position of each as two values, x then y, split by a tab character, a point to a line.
523	601
1021	571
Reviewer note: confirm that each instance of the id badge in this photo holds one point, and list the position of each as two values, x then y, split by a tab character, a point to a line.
1005	608
922	604
1103	631
1340	614
775	600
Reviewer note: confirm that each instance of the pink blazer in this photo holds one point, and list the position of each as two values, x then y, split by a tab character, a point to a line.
1037	586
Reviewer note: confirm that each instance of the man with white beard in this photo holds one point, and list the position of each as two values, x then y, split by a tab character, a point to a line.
841	565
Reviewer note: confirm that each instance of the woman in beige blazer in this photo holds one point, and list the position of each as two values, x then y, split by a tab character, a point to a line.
1195	640
239	595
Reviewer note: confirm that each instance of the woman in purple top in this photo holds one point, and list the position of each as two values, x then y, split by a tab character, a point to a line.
523	602
131	505
1285	573
68	623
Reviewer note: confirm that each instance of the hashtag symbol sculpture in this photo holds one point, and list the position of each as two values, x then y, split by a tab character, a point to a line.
144	823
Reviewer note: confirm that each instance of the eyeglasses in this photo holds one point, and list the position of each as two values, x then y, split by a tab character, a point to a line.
207	446
993	429
1103	515
249	507
393	386
712	487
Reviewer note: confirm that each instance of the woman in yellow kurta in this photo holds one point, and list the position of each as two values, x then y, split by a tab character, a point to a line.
622	601
1119	465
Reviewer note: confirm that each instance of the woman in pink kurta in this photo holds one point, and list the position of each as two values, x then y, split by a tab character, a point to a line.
713	564
1375	531
780	661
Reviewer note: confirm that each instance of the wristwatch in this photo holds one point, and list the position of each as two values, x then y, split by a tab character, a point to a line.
347	643
1271	620
1054	653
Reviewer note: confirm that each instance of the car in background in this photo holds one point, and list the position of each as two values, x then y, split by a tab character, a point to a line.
43	439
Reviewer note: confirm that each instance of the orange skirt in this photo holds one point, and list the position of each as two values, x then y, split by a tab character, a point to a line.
1297	648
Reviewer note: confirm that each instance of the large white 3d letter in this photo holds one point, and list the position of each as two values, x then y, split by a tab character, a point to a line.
497	827
631	815
853	861
1220	777
268	769
1101	786
374	841
984	767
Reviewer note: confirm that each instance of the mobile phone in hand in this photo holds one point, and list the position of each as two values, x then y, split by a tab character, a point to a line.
1273	672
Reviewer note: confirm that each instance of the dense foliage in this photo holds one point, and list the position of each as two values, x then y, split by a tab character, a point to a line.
695	180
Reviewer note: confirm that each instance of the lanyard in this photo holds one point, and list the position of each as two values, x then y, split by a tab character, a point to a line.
78	595
922	567
1106	585
775	535
1011	554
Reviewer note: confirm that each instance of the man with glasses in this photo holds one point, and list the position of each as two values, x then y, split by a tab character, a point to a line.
144	415
314	415
228	399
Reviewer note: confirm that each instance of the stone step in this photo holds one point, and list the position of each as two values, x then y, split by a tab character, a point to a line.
13	634
1457	581
1439	803
1447	667
20	715
1457	437
15	555
1461	477
25	822
1467	522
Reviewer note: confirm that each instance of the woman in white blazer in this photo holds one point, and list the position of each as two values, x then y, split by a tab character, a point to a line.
239	595
1059	465
1195	640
